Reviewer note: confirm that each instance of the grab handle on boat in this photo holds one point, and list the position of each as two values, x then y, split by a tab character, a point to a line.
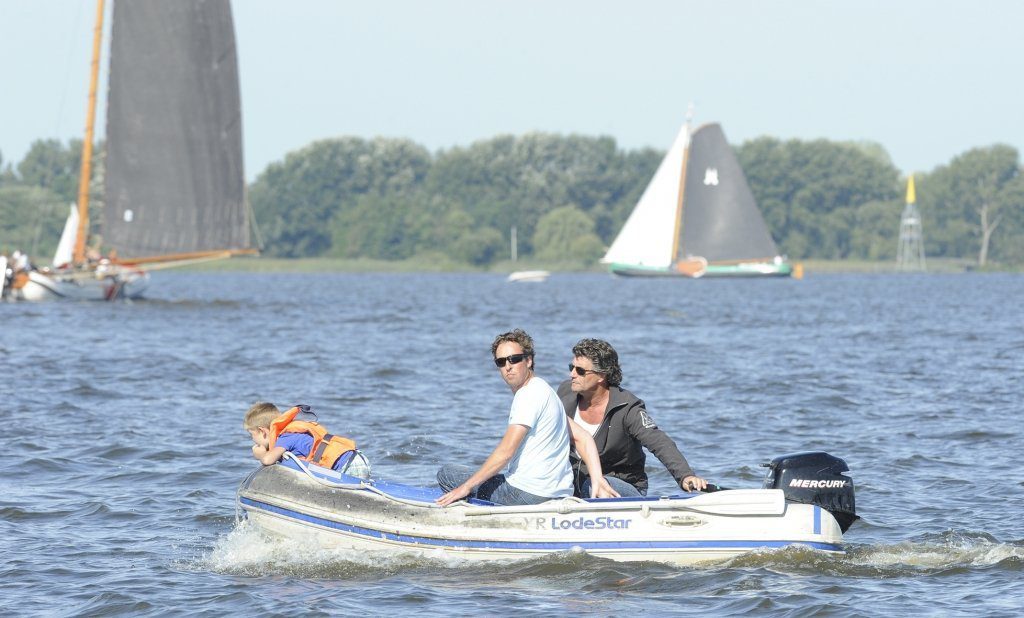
682	521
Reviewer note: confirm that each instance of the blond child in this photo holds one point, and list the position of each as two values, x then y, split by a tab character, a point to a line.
275	433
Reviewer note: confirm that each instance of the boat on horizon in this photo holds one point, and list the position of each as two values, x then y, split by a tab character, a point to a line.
529	276
522	276
697	217
805	500
174	183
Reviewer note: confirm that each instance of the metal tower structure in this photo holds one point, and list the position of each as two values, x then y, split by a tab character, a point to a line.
910	253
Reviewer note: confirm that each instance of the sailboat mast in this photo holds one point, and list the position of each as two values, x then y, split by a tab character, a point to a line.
682	187
90	120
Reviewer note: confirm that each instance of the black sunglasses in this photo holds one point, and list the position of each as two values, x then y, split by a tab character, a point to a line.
580	371
515	359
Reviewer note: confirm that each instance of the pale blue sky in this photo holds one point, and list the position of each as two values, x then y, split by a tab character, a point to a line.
928	79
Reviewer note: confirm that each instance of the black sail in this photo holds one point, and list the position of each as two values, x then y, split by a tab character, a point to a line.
721	221
174	177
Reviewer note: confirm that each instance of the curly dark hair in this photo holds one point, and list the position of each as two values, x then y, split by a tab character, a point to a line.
604	357
519	336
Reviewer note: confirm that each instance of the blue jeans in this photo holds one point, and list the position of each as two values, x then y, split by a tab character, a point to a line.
625	489
495	489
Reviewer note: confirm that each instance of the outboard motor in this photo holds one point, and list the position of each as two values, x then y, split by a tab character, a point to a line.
815	478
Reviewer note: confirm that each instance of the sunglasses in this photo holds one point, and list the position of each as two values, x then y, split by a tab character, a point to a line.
514	359
580	371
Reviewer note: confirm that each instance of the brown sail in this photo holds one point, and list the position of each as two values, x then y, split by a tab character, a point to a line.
174	176
720	221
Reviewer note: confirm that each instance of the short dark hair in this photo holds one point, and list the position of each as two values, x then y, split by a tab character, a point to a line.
604	357
519	336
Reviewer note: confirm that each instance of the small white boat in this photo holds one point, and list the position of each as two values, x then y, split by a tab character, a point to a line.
806	501
529	276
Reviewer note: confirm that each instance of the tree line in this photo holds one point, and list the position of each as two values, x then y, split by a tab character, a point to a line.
567	197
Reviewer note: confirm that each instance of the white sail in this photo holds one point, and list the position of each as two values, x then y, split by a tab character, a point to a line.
648	236
66	246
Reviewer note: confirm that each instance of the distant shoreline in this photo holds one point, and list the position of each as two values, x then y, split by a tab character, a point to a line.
413	265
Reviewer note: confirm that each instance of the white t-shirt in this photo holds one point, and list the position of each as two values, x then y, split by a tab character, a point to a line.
590	427
541	464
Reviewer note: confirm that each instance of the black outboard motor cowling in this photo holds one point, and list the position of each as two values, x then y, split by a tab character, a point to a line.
815	478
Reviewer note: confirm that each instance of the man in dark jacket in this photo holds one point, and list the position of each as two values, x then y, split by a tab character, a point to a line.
619	423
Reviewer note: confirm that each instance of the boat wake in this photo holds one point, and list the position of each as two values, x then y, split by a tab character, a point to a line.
249	551
927	555
942	552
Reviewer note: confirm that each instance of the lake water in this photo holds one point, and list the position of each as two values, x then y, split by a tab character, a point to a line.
123	445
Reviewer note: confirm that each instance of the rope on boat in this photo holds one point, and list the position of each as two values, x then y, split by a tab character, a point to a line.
564	505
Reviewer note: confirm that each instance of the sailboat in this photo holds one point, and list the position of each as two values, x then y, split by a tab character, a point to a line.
697	217
174	184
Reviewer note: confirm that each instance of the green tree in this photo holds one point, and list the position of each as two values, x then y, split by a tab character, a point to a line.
513	181
478	246
876	230
965	203
376	226
1008	245
295	201
567	234
810	192
50	164
31	220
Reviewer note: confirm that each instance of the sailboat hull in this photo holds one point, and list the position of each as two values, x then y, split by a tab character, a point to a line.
741	270
750	269
78	285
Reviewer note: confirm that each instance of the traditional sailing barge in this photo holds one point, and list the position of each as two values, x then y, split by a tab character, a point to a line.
174	181
697	217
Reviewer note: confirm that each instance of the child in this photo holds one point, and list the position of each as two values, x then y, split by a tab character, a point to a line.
273	434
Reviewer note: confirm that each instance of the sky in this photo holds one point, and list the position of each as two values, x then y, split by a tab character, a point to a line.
926	79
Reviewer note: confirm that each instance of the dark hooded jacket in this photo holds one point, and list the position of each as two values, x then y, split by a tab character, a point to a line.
626	429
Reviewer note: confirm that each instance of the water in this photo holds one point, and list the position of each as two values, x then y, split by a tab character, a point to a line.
123	444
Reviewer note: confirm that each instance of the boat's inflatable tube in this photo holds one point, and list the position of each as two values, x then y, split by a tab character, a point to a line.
296	499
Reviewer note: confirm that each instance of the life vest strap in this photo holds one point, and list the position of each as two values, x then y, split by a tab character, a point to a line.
321	447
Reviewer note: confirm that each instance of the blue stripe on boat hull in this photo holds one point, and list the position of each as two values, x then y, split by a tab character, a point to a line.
528	545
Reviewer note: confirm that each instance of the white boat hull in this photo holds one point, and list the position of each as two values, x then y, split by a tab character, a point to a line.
78	285
684	530
529	276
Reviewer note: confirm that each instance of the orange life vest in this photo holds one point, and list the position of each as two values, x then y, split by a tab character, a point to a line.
327	447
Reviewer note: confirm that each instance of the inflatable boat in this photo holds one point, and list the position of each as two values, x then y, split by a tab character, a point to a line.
806	500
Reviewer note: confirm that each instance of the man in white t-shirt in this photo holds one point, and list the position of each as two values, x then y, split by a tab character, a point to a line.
535	445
